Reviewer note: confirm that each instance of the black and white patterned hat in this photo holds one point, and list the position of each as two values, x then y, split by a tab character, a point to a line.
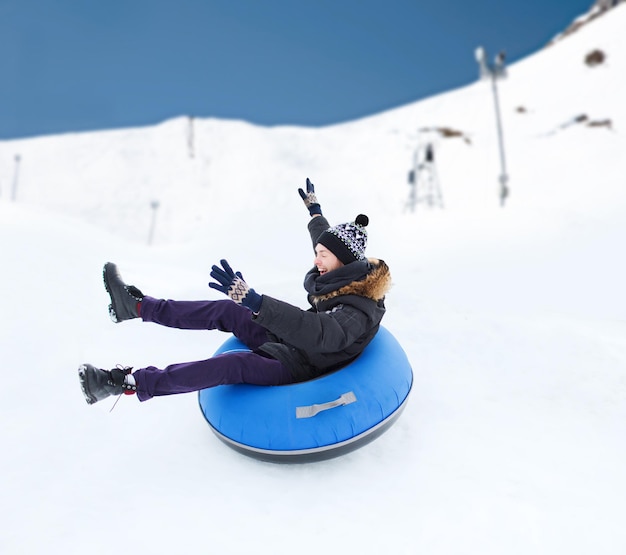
347	241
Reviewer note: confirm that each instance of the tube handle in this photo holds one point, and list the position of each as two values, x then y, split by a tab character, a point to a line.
311	410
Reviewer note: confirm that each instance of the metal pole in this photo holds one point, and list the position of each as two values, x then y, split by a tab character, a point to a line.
190	137
154	205
504	190
496	71
15	177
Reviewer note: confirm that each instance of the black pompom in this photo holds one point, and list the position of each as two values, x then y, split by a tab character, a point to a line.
362	219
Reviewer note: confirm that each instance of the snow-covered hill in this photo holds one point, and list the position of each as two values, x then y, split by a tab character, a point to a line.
514	320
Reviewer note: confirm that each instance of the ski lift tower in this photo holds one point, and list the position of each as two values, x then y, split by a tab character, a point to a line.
494	72
423	178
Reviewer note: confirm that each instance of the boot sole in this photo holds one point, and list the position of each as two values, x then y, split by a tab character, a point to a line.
110	270
109	266
84	385
119	313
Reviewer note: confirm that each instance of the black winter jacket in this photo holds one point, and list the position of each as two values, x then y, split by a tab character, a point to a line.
347	306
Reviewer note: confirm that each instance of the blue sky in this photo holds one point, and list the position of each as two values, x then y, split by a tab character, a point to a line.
76	65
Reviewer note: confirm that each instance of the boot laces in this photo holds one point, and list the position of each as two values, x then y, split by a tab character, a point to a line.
126	387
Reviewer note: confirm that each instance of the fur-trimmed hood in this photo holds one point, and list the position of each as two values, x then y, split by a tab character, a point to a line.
369	278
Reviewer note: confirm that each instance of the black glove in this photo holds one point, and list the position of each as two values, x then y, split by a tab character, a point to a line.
233	285
309	198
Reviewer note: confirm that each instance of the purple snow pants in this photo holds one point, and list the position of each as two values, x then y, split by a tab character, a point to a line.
228	368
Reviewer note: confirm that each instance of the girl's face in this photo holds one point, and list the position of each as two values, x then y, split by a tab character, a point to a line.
325	261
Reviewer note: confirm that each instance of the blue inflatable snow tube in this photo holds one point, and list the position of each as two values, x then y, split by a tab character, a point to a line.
314	420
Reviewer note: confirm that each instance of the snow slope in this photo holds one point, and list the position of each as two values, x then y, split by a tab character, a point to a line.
514	320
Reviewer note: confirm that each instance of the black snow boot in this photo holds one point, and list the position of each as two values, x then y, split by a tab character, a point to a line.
99	384
124	298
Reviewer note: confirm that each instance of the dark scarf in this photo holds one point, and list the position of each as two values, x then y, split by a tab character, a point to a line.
319	285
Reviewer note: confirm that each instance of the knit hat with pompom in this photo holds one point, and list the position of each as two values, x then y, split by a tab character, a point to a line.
347	241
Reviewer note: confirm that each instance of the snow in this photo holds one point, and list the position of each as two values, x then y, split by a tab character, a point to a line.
514	319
